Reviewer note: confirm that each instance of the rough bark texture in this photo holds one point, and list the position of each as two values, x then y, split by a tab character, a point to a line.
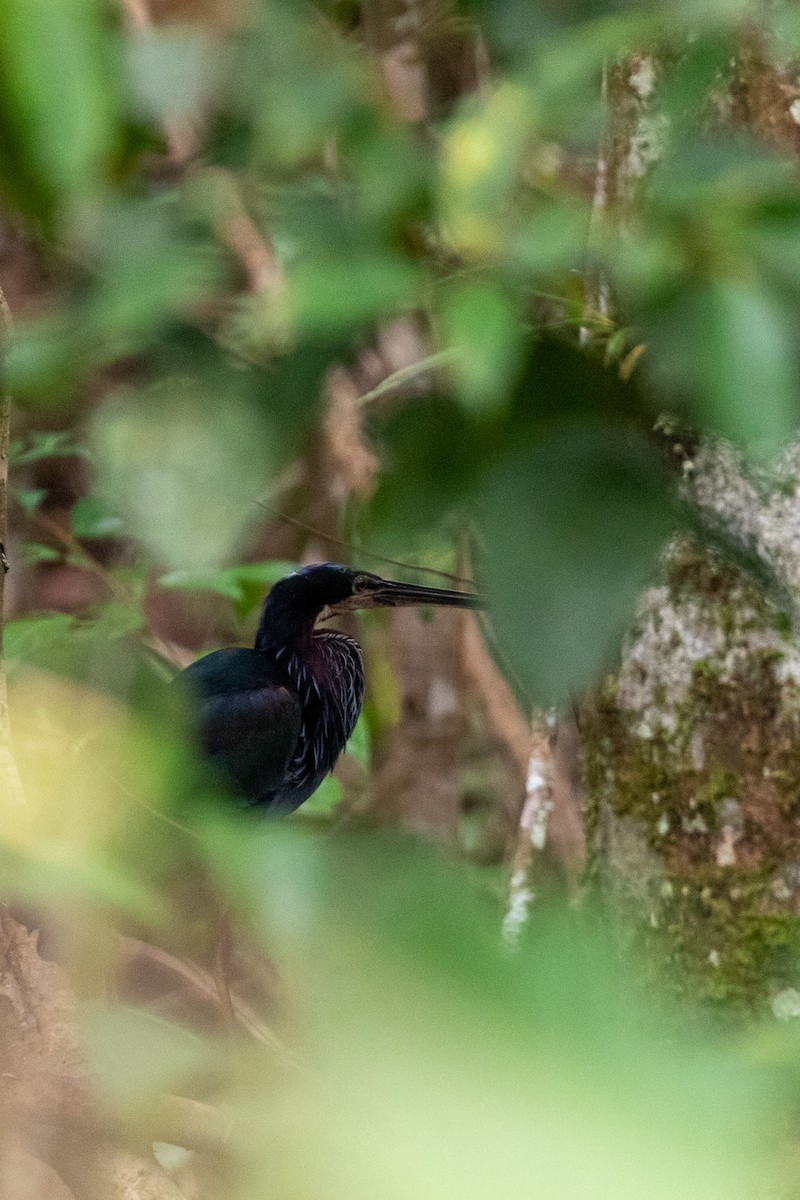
55	1143
693	759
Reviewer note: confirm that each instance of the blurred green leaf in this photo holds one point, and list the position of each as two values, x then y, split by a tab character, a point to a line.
58	873
485	1066
782	28
552	238
330	295
91	518
136	1056
172	70
431	456
360	743
245	585
480	164
39	445
325	800
702	64
730	346
572	527
183	463
482	325
150	268
299	82
29	499
20	636
95	648
391	170
45	358
35	552
565	73
772	236
57	106
115	619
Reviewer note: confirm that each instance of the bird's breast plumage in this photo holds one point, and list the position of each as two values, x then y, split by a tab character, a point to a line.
328	678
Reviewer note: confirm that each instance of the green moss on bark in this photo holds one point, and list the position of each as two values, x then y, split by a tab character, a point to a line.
706	771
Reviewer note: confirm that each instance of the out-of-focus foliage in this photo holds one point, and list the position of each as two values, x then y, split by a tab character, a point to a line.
427	1059
226	216
489	233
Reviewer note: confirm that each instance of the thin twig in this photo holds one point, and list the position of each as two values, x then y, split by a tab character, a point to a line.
532	832
354	549
236	229
177	1120
72	546
206	986
405	375
598	302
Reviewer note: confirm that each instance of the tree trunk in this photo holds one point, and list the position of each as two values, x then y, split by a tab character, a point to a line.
693	759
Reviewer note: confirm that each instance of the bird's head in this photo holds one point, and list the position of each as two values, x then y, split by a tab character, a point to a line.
324	590
364	590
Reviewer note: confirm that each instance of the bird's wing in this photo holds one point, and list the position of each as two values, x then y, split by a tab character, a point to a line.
252	735
248	725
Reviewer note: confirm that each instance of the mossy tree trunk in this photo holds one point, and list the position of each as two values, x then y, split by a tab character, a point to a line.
692	759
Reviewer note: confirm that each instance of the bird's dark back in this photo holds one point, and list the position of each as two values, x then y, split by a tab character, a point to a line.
273	724
245	718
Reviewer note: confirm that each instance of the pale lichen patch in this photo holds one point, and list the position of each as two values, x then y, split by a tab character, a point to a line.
696	744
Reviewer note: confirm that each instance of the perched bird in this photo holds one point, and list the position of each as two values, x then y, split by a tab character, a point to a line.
274	719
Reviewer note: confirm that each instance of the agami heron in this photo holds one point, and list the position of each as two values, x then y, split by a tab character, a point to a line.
273	719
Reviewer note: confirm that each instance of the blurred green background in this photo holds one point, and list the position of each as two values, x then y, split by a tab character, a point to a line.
407	284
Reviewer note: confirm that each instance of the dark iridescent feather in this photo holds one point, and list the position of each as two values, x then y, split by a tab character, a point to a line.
273	720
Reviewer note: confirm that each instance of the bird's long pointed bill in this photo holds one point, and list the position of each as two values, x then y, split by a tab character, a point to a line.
393	595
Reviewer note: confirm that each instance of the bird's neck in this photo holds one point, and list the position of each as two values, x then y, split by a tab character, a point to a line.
284	629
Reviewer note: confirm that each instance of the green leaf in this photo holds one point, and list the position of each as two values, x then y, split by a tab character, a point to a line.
182	463
29	499
482	325
45	358
572	529
92	519
333	294
171	71
520	1057
750	367
360	744
431	455
136	1056
244	585
389	165
299	82
48	444
552	239
57	109
730	347
31	638
116	619
325	799
151	268
35	552
54	872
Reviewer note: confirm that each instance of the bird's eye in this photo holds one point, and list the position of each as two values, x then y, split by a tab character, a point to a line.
361	583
